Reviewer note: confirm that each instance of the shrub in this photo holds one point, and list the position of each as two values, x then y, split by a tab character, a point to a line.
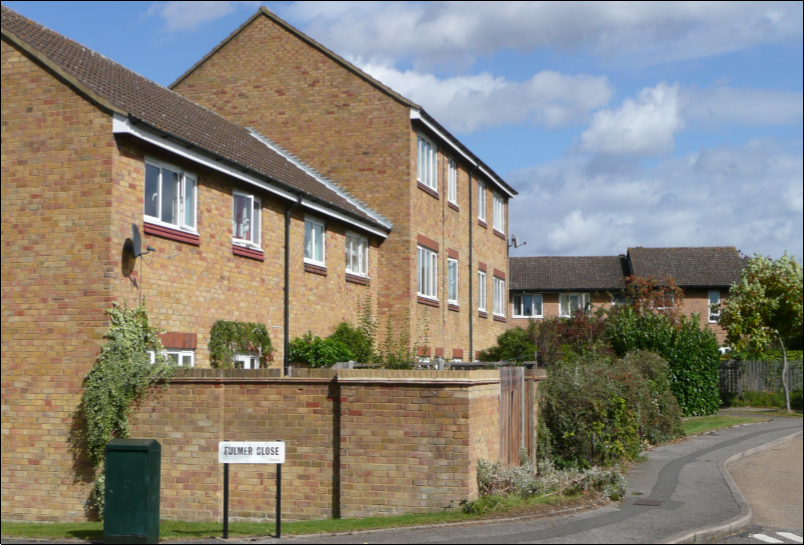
230	338
600	413
692	354
513	345
361	344
317	352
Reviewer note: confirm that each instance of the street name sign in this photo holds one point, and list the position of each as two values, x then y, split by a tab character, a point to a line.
251	452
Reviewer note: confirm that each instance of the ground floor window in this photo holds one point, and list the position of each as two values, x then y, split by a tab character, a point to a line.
182	358
569	303
527	305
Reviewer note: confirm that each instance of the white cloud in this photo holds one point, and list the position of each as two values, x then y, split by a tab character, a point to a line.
748	196
449	32
645	126
475	102
722	106
181	16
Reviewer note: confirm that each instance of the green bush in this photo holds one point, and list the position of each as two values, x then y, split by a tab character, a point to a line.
513	345
230	338
776	355
360	344
762	400
317	352
603	413
692	354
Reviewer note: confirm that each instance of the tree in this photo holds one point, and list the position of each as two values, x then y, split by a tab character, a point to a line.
765	306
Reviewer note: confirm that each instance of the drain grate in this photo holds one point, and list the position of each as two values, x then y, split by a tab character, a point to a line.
648	503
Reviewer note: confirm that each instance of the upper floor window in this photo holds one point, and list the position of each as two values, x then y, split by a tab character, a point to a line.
426	163
314	241
500	297
527	306
482	291
481	201
427	265
498	217
246	219
715	306
570	303
182	358
452	281
170	196
357	255
452	181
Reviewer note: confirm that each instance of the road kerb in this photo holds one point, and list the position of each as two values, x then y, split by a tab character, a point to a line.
744	519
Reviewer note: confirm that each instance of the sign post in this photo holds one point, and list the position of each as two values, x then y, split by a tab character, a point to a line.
232	452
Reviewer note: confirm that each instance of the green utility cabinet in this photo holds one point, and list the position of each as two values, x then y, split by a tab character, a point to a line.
132	491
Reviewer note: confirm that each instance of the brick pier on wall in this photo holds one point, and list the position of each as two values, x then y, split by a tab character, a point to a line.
359	442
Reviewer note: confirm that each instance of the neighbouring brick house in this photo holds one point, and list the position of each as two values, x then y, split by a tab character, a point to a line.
90	148
449	209
546	287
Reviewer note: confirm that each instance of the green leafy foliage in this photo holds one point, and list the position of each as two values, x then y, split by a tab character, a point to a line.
317	352
513	345
360	344
603	412
692	353
230	338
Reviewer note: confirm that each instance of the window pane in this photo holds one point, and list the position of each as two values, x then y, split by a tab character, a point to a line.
151	191
419	158
527	308
308	240
173	358
538	305
318	232
255	238
241	217
186	361
715	298
365	254
170	197
189	202
355	259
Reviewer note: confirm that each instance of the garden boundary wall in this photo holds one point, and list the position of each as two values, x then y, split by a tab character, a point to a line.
359	443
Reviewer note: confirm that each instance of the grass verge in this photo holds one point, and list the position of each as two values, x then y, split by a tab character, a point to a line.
492	508
702	424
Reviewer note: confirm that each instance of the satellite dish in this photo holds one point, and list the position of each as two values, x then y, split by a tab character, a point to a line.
136	241
127	258
516	240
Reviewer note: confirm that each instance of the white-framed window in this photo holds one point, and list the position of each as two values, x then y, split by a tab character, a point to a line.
357	254
620	300
452	181
500	296
426	163
481	201
182	358
527	305
667	302
246	219
482	291
498	214
427	267
170	196
314	241
452	281
715	306
569	303
249	360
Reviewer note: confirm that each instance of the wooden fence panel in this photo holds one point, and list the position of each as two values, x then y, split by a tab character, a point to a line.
736	377
512	429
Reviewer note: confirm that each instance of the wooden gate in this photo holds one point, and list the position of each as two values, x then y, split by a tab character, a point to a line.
512	421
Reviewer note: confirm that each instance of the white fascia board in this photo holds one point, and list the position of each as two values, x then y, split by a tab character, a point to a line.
416	115
122	125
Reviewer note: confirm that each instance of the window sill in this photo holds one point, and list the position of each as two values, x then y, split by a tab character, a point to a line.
500	318
315	269
427	302
172	234
355	279
427	190
482	314
483	224
248	252
499	234
528	317
453	308
454	206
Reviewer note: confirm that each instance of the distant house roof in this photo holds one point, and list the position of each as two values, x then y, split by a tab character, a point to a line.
568	273
689	267
144	102
430	121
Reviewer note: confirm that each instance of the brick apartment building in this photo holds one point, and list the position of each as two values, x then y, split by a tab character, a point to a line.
547	287
90	148
444	201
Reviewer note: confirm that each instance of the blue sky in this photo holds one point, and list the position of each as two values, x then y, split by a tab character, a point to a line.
620	124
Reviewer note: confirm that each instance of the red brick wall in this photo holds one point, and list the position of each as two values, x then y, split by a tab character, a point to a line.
698	301
56	281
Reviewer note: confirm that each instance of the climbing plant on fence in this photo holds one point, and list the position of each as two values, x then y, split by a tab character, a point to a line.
230	338
121	376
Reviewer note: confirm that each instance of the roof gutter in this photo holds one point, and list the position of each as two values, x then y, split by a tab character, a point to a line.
156	137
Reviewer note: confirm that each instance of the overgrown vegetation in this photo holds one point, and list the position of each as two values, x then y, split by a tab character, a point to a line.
122	376
762	400
230	338
317	352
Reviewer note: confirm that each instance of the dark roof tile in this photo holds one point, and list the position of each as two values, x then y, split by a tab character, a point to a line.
567	273
689	267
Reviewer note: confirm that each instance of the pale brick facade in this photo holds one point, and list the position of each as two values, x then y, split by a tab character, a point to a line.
269	76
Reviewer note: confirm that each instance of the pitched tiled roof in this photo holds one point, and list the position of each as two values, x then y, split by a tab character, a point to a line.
120	90
689	267
262	11
567	273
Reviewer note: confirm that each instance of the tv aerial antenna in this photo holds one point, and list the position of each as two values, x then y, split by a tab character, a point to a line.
515	242
132	250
